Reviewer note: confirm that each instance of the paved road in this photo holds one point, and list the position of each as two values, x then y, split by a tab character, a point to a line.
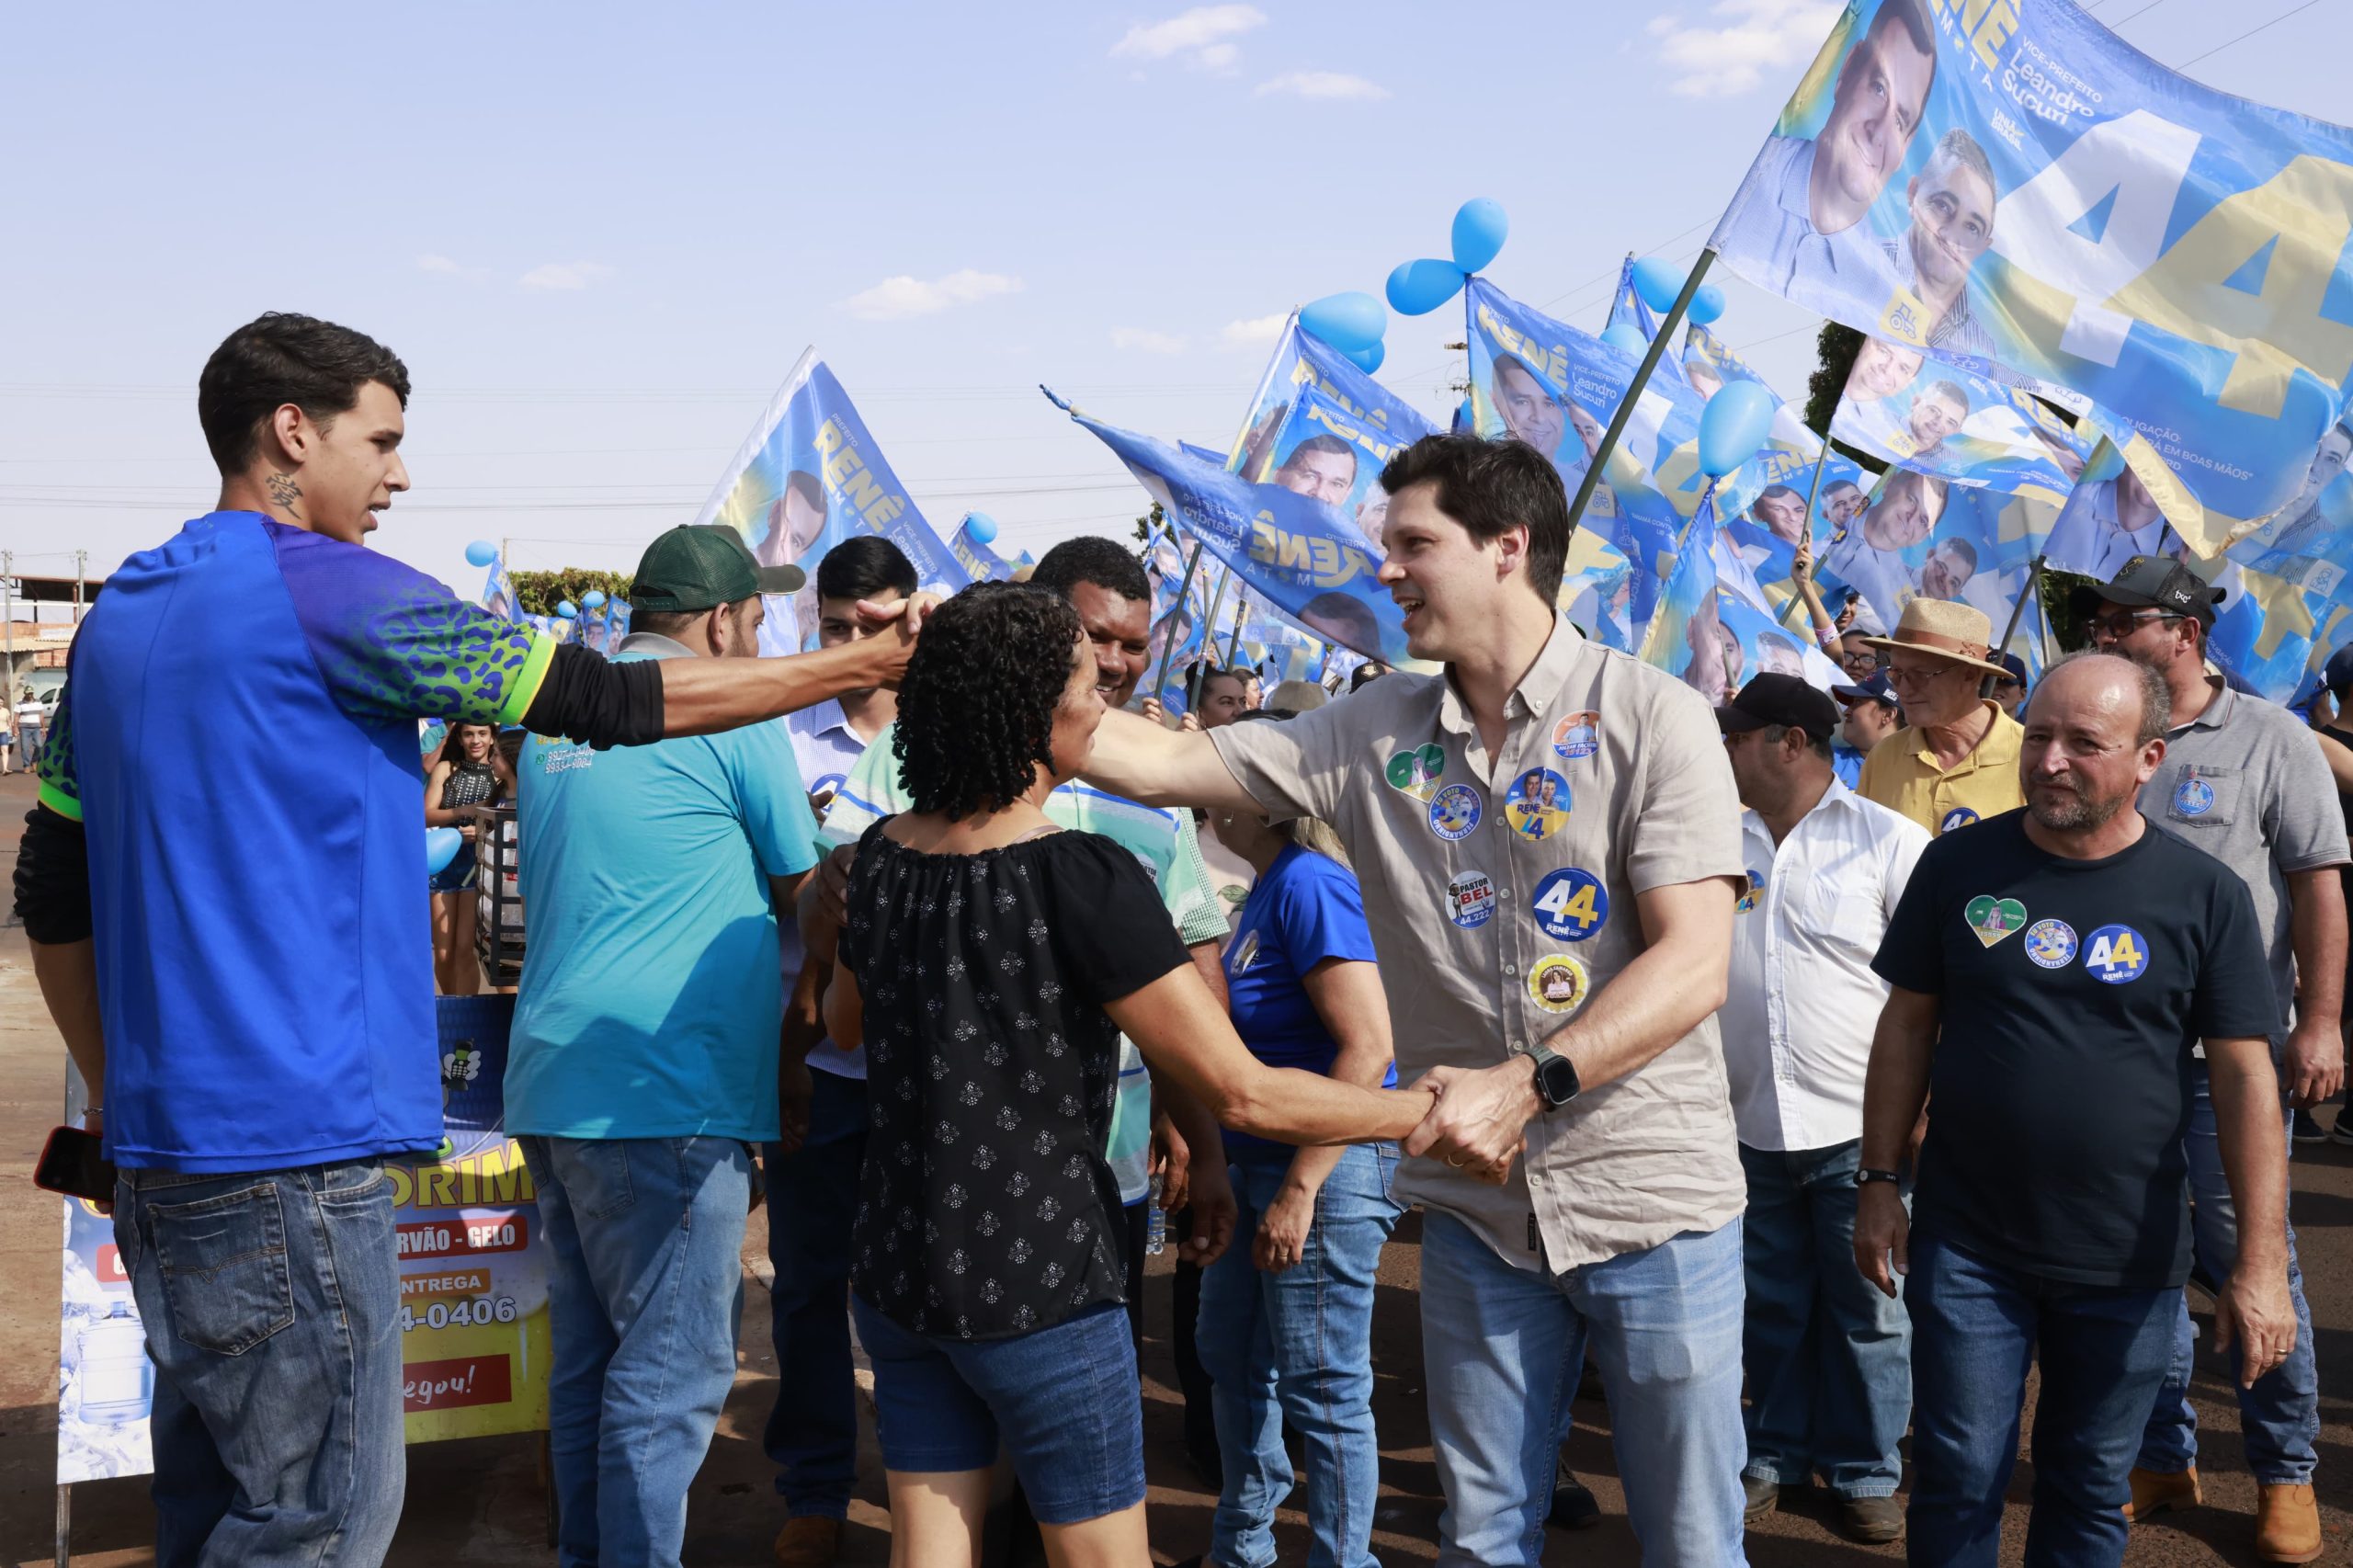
483	1501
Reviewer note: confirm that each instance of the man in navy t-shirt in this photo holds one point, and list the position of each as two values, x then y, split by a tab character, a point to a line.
238	960
2052	970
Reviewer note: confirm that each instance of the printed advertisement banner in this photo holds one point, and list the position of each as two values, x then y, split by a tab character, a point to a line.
809	476
473	1310
2016	189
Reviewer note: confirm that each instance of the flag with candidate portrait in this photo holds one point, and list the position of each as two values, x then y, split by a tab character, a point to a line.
1296	549
1918	536
978	559
2017	190
809	476
1911	409
1712	631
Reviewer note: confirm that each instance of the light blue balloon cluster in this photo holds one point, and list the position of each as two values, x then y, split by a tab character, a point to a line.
593	600
569	610
1733	425
1353	323
1660	285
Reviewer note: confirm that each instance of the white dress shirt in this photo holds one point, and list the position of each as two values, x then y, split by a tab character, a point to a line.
1797	1021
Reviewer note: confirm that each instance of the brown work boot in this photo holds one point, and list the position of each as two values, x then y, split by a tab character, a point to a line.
2286	1525
1872	1520
809	1541
2154	1491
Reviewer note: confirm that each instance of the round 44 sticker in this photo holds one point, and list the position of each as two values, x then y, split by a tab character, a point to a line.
2115	954
1570	904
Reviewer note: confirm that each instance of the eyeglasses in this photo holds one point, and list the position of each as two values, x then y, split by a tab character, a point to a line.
1901	674
2122	626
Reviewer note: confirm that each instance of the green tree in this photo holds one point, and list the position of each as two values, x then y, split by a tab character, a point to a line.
1149	526
538	593
1835	352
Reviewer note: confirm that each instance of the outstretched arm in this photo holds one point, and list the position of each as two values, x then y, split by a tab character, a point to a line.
1137	758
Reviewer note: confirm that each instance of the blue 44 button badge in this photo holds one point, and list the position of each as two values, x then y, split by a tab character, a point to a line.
1570	904
2115	954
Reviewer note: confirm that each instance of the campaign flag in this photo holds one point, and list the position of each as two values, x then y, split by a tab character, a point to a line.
1918	536
2016	190
1912	409
809	476
498	592
1711	632
1303	363
1628	307
1790	445
981	562
1296	549
2310	540
2122	505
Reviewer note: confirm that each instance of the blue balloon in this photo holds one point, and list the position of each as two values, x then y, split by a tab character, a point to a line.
441	845
593	600
1369	360
981	526
482	552
1417	287
1706	304
1627	340
1478	230
1733	426
1658	283
569	610
1349	322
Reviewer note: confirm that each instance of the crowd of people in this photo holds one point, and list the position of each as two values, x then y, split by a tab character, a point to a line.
1809	1073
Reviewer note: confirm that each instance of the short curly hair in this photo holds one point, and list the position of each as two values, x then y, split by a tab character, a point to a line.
976	709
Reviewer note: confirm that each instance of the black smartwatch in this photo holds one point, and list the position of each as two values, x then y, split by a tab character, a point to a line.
1556	1077
1863	1177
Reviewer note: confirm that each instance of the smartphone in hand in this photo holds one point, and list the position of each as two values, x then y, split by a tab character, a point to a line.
73	1162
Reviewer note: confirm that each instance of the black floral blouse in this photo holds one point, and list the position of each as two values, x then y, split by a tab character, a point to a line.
985	1207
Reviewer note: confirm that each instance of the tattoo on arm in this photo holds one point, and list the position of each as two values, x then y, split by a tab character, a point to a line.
284	491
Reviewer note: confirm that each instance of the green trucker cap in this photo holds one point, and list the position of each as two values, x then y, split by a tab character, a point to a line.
701	566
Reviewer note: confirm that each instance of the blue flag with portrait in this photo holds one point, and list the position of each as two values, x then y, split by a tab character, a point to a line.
2017	190
809	476
1906	407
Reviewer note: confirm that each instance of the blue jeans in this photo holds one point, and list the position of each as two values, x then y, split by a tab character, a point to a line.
271	1304
645	1295
2281	1414
812	1198
1299	1344
1976	1327
1503	1349
1829	1358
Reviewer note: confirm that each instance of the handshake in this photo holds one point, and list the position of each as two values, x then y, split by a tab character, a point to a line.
1479	1123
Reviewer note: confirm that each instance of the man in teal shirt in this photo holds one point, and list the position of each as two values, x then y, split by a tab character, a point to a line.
645	1051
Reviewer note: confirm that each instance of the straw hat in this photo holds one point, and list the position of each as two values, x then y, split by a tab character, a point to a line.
1946	630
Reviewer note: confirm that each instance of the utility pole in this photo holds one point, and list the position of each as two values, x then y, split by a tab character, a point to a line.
8	618
81	577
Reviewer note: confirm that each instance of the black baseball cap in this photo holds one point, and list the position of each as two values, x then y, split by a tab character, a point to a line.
701	566
1779	699
2153	582
1875	689
2015	666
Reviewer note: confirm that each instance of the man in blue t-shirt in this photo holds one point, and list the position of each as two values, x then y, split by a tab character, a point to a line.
645	1055
240	966
2052	970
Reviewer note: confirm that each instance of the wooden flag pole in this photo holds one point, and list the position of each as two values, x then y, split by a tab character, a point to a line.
1633	392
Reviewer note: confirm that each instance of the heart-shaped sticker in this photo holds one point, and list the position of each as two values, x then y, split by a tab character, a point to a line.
1993	918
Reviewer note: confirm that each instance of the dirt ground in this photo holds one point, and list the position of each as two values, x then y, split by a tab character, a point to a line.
483	1501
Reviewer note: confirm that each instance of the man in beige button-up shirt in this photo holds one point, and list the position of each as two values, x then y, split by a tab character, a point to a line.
1547	840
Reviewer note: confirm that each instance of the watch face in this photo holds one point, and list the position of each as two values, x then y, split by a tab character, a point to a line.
1556	1080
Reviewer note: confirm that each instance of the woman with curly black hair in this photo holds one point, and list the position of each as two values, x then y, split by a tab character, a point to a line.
989	961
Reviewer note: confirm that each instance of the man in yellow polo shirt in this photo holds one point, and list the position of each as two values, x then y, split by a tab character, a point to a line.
1956	758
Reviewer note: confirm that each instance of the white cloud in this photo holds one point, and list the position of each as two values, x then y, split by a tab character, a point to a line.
1146	341
1751	37
1202	33
564	275
429	262
1323	84
1254	333
895	298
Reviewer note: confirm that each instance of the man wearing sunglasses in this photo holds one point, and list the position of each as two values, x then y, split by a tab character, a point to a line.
2246	781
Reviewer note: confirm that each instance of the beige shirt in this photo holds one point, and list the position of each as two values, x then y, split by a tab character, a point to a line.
1456	851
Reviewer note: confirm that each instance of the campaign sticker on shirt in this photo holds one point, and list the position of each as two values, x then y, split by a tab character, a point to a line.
1993	919
1558	984
1570	904
2116	954
1577	736
1537	803
2193	797
1454	813
2051	943
1471	900
1416	770
1746	902
1959	816
1244	954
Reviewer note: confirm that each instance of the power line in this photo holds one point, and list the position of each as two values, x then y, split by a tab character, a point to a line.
2242	37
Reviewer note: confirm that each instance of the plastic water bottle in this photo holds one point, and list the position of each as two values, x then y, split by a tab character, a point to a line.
1155	1232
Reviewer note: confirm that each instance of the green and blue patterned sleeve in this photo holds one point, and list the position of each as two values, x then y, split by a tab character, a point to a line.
392	644
61	787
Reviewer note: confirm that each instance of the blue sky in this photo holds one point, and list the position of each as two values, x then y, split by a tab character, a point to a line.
600	234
